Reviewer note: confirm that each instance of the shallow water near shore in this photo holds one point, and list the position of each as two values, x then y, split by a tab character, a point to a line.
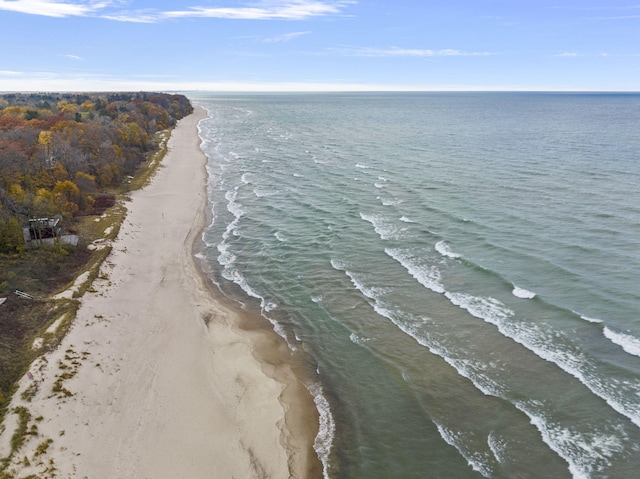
458	270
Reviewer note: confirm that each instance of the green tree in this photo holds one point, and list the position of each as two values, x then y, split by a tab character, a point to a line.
11	237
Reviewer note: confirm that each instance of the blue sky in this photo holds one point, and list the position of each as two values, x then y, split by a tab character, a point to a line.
292	45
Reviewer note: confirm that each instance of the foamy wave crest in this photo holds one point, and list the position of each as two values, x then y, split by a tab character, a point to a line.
233	274
586	453
522	293
629	343
338	265
355	339
390	201
480	462
225	258
427	275
443	249
498	446
548	346
379	185
591	320
245	178
262	192
370	292
404	219
385	230
489	309
360	165
281	236
234	207
323	442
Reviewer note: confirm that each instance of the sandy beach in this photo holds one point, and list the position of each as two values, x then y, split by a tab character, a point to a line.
157	378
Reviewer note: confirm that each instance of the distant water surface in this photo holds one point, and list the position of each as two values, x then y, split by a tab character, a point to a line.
459	270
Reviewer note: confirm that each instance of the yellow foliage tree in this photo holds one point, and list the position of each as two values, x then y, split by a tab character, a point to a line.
45	138
66	107
43	203
87	105
17	193
15	111
66	196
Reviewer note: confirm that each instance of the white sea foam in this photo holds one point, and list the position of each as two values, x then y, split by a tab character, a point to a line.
245	178
530	336
371	292
427	275
226	257
379	185
233	206
323	442
547	345
591	320
444	250
385	230
477	460
498	446
629	343
488	309
233	274
355	339
585	453
404	219
522	293
340	266
360	165
262	192
281	236
390	201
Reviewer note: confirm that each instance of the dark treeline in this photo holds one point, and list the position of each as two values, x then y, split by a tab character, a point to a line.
58	151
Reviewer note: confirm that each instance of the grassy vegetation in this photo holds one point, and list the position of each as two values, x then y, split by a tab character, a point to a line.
42	272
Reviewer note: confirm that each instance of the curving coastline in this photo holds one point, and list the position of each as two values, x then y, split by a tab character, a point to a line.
158	377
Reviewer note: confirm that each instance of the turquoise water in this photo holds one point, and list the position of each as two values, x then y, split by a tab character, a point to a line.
459	272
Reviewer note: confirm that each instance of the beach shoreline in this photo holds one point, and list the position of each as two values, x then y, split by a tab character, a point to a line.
158	377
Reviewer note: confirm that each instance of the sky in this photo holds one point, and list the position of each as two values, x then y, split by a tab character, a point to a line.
319	45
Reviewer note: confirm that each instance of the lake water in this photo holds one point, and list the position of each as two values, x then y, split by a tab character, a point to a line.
458	270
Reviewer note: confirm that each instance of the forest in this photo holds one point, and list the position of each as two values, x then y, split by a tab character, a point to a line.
62	155
58	152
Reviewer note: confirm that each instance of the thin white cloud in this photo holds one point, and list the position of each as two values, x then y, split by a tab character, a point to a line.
567	54
9	73
261	10
265	10
409	52
145	16
50	8
74	57
285	37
